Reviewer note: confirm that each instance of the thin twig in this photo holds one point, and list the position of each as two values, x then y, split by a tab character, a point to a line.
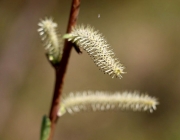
60	69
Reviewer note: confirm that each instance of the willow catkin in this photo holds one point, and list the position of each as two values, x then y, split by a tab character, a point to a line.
100	101
51	40
98	48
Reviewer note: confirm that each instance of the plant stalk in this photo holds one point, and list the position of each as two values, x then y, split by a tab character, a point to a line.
60	69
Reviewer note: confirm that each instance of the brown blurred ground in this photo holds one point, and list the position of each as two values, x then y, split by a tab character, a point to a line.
145	36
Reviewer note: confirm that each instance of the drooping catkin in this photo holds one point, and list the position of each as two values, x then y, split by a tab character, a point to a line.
101	101
97	47
51	40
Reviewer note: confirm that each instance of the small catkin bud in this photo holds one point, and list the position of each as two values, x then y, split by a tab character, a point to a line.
98	48
51	40
101	101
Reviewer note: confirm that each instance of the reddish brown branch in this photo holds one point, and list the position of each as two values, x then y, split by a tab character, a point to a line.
60	69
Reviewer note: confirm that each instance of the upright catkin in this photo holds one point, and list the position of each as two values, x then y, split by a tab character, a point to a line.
51	39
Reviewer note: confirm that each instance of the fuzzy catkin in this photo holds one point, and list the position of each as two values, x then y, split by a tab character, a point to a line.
100	101
97	47
51	40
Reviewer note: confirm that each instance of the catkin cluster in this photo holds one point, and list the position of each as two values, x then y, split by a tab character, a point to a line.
98	48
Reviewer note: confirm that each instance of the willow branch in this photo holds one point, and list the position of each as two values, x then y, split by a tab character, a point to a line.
60	69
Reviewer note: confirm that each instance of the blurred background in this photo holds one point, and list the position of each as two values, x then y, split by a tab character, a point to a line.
145	35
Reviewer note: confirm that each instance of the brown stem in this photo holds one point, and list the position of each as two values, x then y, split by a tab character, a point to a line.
60	69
